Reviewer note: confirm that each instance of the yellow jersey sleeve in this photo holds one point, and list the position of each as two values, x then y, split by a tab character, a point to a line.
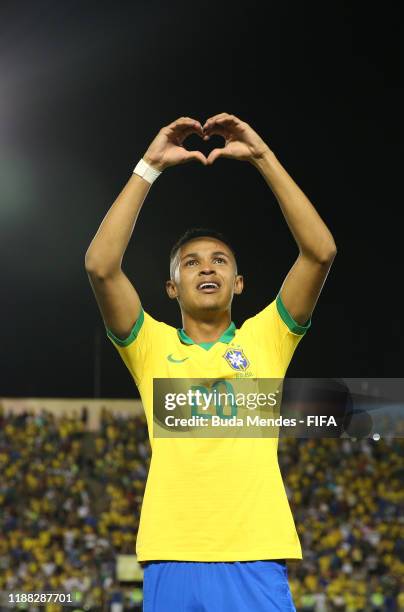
136	349
275	327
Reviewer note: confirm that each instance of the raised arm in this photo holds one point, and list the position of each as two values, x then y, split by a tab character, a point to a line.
303	283
117	298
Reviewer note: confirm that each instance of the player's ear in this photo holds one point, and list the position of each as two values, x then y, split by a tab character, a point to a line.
238	284
171	289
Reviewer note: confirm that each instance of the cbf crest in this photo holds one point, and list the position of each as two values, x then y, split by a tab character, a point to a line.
236	359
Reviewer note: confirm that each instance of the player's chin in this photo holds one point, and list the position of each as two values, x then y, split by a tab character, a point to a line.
210	301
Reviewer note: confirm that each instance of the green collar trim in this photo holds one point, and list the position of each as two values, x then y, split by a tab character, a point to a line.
226	337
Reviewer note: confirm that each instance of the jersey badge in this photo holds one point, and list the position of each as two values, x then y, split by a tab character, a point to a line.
236	359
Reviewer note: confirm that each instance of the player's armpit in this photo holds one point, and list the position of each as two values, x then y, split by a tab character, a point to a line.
302	286
118	302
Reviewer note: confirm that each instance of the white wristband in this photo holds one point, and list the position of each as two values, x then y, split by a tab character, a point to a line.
147	172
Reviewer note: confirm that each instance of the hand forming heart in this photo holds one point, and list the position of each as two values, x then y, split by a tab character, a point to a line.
241	142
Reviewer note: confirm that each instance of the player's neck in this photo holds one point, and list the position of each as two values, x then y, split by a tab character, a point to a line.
208	330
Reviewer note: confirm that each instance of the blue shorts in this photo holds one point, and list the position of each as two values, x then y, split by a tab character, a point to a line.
239	586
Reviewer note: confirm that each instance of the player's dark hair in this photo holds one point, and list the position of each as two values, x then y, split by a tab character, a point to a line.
199	232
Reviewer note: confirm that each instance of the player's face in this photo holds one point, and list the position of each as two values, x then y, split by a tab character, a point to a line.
204	276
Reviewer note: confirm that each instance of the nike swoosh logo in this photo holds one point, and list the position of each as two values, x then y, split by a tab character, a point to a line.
171	358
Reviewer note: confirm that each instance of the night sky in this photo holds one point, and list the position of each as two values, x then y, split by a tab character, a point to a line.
85	87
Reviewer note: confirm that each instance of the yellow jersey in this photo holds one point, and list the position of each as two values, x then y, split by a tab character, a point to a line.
213	499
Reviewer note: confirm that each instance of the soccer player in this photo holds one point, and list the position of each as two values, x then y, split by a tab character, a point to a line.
216	528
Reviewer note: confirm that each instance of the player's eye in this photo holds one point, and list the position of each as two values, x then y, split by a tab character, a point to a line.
190	262
219	260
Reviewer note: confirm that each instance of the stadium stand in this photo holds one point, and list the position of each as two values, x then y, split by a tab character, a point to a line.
70	502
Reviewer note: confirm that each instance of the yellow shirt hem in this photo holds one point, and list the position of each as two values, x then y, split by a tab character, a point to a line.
219	557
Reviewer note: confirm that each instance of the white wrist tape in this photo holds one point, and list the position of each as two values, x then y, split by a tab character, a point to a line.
147	172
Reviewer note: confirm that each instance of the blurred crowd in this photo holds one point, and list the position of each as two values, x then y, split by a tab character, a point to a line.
70	502
347	501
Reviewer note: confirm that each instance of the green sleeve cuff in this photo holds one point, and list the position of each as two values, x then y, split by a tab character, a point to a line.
288	319
133	334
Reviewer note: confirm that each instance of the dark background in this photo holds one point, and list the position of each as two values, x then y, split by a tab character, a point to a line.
85	86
